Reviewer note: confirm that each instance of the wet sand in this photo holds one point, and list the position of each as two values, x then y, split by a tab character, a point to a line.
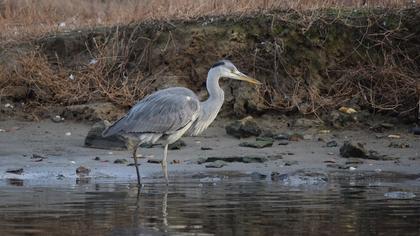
63	145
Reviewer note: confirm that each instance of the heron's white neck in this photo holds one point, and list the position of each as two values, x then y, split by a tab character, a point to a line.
212	105
213	88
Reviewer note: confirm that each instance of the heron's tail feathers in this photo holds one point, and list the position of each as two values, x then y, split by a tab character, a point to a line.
113	129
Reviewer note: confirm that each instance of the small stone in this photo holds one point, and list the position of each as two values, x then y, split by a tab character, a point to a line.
97	159
257	144
206	148
17	171
120	161
176	161
354	161
82	171
330	153
68	133
338	166
394	136
244	128
352	168
60	176
399	145
283	142
295	137
57	119
216	164
37	156
332	143
256	175
281	137
177	145
154	161
290	163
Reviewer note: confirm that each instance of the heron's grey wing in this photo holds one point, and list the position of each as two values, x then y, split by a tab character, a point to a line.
162	112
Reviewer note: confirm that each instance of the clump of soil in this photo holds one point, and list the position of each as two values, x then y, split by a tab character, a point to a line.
310	62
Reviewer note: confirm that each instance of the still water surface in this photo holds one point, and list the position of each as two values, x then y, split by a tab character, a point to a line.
232	206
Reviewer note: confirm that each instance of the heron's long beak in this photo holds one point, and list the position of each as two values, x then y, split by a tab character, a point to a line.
241	76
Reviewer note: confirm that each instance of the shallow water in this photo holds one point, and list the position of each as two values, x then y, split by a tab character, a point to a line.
211	206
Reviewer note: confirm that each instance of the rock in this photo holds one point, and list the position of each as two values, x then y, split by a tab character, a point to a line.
281	137
258	176
399	195
301	178
216	164
206	148
295	137
257	144
307	123
82	171
244	128
97	159
283	143
94	139
92	112
177	145
398	145
353	150
332	143
17	171
120	161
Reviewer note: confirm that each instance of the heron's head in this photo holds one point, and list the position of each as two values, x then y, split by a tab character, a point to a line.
226	69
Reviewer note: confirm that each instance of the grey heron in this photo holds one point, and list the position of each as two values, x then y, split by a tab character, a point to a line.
168	114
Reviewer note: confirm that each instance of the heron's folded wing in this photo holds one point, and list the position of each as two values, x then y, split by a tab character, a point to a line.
161	113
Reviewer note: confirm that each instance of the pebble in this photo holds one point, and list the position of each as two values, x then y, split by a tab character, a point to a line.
81	171
206	148
97	159
154	161
395	136
332	143
281	137
68	133
216	164
18	171
290	163
120	161
352	168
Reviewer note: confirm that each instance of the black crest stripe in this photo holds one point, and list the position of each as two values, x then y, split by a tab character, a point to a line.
218	64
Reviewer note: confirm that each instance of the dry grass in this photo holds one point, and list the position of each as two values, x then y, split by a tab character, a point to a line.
22	18
387	85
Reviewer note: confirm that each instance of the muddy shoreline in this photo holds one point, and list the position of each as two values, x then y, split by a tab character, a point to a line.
51	152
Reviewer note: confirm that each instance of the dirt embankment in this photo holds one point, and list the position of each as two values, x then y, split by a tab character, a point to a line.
310	63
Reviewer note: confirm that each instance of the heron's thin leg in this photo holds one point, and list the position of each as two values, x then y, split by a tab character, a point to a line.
165	164
136	165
